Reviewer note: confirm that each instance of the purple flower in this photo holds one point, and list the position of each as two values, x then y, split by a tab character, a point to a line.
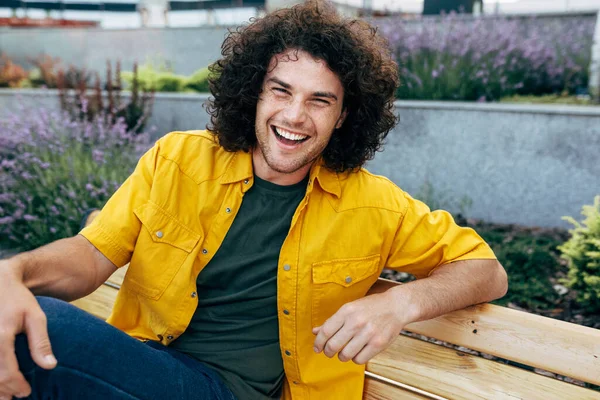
6	220
550	55
98	155
42	163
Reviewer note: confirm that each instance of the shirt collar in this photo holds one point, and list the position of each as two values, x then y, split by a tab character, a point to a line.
328	180
239	168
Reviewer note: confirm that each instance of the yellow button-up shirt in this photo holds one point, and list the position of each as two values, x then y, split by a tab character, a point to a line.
171	215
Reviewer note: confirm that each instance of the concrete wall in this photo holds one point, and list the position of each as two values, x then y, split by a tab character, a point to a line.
187	49
519	164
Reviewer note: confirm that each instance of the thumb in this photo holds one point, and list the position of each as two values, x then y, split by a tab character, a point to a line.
316	330
36	329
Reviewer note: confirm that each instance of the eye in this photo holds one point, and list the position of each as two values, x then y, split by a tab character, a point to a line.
321	102
280	90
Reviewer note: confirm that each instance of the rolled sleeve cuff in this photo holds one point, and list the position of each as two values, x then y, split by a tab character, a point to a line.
102	239
482	252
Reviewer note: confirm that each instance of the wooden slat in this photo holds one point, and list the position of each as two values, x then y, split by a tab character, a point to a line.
557	346
98	303
376	390
456	375
118	276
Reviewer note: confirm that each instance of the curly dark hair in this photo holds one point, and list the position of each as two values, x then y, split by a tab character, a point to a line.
352	49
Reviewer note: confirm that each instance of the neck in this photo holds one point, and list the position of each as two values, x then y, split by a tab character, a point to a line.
264	172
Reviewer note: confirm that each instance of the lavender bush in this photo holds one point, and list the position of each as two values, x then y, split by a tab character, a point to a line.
53	168
460	58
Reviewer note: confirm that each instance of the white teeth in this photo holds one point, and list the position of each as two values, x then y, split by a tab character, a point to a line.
289	135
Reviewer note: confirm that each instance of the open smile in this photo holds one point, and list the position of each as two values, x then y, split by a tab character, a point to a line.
288	138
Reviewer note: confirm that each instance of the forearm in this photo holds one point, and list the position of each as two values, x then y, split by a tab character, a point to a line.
451	287
65	269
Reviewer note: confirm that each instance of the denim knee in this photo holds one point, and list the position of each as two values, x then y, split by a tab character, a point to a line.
55	311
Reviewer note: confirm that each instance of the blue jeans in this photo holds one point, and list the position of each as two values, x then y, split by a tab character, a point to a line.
97	361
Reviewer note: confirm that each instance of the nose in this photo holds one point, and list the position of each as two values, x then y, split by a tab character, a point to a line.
295	112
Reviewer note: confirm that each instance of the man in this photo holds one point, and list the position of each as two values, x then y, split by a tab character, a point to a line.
251	245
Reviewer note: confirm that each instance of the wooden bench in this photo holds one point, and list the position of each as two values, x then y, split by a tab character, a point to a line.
416	369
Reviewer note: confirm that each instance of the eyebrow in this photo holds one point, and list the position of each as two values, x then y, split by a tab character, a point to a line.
316	94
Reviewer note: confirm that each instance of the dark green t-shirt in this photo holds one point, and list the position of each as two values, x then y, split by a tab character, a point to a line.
235	327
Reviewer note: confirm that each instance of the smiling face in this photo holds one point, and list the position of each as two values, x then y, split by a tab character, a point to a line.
299	107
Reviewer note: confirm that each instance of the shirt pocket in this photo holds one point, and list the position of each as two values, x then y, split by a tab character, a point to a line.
163	245
337	282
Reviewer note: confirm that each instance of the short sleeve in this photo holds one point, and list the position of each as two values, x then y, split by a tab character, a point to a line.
115	230
427	239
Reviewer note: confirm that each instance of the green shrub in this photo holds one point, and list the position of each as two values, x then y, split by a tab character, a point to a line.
199	81
530	258
161	78
151	79
167	82
582	252
146	77
548	99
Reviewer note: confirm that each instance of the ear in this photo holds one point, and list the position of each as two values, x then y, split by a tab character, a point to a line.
341	119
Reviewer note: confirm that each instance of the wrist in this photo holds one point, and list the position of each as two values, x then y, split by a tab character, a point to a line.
12	269
402	300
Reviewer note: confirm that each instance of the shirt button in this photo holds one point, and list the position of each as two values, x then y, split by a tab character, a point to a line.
246	181
348	279
288	353
193	294
287	267
286	312
159	234
295	383
228	210
204	251
170	337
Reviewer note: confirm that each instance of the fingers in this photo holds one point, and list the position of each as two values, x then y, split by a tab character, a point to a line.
338	341
12	382
368	352
354	346
326	331
36	328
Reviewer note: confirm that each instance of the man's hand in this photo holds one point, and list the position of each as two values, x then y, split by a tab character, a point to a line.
20	313
361	329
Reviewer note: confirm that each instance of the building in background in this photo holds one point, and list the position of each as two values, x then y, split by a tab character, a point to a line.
434	7
123	14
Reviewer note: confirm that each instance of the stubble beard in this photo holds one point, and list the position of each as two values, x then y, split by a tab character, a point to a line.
293	166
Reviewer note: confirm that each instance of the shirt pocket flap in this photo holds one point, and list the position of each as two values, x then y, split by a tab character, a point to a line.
164	228
345	272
